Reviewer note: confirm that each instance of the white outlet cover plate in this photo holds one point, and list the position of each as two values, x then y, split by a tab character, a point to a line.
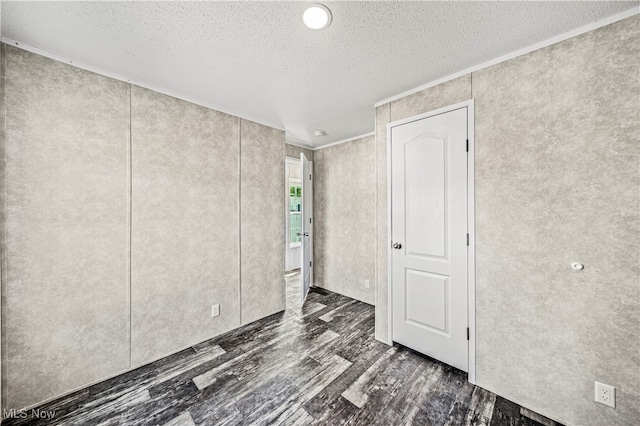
605	394
215	310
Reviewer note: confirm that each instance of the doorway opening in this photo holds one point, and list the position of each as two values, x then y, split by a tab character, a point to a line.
293	227
293	214
298	231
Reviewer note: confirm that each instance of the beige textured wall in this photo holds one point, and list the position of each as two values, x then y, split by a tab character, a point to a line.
262	228
345	221
184	233
383	117
73	160
442	95
557	180
65	291
294	151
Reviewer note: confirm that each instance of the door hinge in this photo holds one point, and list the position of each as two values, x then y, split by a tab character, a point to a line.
467	145
467	333
310	264
309	220
467	239
309	176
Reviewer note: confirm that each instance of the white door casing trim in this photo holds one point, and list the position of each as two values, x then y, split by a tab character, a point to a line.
471	259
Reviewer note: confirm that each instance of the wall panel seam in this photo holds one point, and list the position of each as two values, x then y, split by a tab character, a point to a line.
4	257
130	217
239	222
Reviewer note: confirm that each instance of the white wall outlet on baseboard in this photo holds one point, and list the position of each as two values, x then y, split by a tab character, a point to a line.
215	310
366	283
606	394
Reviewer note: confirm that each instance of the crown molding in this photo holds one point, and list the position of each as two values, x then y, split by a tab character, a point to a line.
121	77
557	39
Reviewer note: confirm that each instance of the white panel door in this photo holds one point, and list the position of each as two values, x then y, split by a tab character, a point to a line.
429	236
306	226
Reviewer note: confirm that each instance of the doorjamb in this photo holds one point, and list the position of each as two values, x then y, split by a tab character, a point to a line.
471	259
313	266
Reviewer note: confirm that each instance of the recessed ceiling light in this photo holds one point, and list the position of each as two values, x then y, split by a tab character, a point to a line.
316	16
319	132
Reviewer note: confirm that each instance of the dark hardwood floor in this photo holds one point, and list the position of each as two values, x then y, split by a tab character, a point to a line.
316	363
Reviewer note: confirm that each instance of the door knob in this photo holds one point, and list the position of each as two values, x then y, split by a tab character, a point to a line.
397	246
305	234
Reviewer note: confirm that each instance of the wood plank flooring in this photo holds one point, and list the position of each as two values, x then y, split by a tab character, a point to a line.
316	363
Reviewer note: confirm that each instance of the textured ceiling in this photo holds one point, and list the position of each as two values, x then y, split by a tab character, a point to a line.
257	60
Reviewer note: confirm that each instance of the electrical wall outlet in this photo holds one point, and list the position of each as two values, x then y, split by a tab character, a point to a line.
606	394
366	283
215	310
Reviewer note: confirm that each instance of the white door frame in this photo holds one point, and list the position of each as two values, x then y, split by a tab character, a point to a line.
296	160
471	260
307	198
